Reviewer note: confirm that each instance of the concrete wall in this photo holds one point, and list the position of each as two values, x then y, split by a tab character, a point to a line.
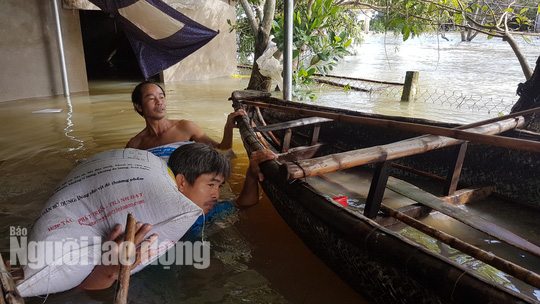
218	57
30	58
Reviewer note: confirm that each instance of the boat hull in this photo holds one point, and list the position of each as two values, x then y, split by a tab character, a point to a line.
382	265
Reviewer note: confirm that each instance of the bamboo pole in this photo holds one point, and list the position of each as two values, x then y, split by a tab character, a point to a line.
122	286
457	133
8	290
360	79
417	145
468	218
261	118
510	268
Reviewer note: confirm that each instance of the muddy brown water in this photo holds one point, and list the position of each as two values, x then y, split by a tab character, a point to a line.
255	256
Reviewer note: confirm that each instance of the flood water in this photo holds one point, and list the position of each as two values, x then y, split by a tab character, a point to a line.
255	256
458	82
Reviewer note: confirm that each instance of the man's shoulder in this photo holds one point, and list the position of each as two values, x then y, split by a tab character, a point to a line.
185	125
136	140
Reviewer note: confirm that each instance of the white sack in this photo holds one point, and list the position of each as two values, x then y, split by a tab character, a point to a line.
92	199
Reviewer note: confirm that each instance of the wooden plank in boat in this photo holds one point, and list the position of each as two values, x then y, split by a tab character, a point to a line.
249	94
299	153
408	147
415	211
292	124
467	195
8	289
419	195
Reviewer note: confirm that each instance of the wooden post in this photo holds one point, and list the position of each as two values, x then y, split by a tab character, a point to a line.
8	290
127	251
376	190
454	170
316	131
286	141
409	89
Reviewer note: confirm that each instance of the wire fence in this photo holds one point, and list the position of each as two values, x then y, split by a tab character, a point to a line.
391	91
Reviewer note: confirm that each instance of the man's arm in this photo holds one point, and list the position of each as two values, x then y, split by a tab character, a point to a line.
250	191
226	142
198	135
103	276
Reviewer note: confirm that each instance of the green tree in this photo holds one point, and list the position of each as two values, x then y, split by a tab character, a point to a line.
325	19
316	47
260	15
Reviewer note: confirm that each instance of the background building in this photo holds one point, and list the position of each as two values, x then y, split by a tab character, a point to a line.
95	47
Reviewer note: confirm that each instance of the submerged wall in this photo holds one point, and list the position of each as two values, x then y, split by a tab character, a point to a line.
30	59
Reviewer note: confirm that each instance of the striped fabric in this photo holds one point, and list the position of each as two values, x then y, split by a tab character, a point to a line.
160	35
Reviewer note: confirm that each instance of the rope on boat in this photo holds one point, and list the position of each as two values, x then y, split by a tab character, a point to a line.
455	286
410	256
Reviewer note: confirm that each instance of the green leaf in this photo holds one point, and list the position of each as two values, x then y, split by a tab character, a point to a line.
311	72
406	31
295	53
314	60
510	10
523	10
328	3
347	43
316	23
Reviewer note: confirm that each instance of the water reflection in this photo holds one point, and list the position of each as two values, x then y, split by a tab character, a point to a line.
69	124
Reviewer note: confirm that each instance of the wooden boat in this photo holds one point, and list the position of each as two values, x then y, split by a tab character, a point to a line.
437	166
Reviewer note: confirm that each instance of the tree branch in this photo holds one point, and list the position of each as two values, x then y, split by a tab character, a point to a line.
251	17
269	9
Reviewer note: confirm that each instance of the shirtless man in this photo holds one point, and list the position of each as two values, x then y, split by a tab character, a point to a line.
149	101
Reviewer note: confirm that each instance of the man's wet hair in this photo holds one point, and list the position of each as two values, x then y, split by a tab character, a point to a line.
195	159
136	95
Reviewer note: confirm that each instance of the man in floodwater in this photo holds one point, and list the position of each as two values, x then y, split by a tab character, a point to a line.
199	172
148	99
